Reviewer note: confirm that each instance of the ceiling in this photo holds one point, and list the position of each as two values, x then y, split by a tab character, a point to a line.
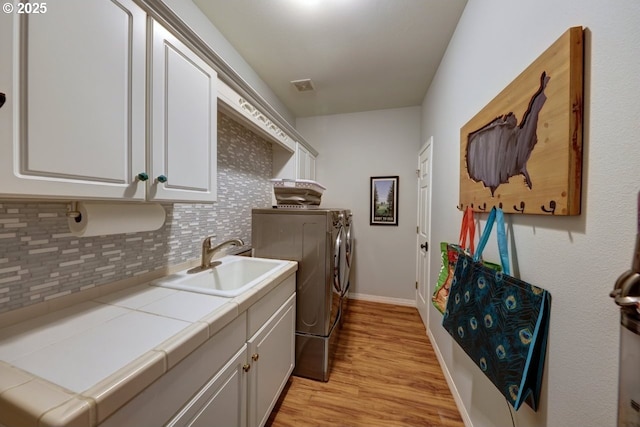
360	54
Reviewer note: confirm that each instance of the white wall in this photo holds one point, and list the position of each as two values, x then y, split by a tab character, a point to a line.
576	258
353	148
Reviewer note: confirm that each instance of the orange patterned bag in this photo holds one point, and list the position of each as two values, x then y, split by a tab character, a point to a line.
449	253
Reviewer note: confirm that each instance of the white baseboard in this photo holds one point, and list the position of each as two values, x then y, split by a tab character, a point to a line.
466	419
383	300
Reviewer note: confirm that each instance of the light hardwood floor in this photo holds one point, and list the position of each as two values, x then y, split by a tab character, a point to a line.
385	374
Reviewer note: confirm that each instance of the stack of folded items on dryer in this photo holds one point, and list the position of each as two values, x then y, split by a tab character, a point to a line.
300	193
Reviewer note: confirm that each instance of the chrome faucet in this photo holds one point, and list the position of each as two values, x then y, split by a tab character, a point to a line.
208	252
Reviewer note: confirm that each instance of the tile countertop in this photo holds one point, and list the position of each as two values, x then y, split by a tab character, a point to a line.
78	365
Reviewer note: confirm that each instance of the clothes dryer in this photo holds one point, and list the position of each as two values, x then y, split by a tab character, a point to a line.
317	240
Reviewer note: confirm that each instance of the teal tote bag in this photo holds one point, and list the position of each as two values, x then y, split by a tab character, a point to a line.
501	322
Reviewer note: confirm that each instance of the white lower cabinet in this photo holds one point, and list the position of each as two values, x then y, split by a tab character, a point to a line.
272	351
159	403
234	379
221	402
229	399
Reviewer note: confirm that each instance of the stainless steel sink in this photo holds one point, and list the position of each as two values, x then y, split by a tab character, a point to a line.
231	276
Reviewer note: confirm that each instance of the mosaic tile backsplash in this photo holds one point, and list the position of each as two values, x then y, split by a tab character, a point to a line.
40	259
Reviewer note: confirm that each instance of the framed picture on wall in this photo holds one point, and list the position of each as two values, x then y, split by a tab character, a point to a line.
384	200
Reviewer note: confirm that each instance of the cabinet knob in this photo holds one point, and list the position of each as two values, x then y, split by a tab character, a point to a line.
162	178
255	357
142	176
246	367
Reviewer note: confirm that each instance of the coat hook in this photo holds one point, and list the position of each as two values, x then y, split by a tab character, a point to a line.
483	207
460	207
500	205
521	207
552	206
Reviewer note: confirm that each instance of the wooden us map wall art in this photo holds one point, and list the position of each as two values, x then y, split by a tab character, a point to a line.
523	151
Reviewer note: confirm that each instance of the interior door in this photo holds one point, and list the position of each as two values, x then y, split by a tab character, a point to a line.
423	229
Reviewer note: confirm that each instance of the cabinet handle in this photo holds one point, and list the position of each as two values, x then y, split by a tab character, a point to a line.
255	357
246	367
142	176
162	178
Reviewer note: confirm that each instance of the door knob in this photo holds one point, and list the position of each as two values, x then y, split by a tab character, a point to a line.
425	246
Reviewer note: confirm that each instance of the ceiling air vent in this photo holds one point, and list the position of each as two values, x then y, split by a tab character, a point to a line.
304	85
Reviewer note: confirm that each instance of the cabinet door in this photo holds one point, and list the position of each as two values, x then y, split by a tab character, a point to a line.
272	353
74	121
183	101
302	162
222	401
312	167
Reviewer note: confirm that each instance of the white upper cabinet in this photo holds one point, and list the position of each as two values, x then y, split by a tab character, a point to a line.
79	101
74	120
183	102
301	164
312	166
305	163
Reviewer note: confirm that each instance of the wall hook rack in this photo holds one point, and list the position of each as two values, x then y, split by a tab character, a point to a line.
521	207
552	207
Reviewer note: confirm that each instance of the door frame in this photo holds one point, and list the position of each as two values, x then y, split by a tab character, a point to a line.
424	311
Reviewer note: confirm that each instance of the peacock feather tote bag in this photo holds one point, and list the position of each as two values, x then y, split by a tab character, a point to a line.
501	322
